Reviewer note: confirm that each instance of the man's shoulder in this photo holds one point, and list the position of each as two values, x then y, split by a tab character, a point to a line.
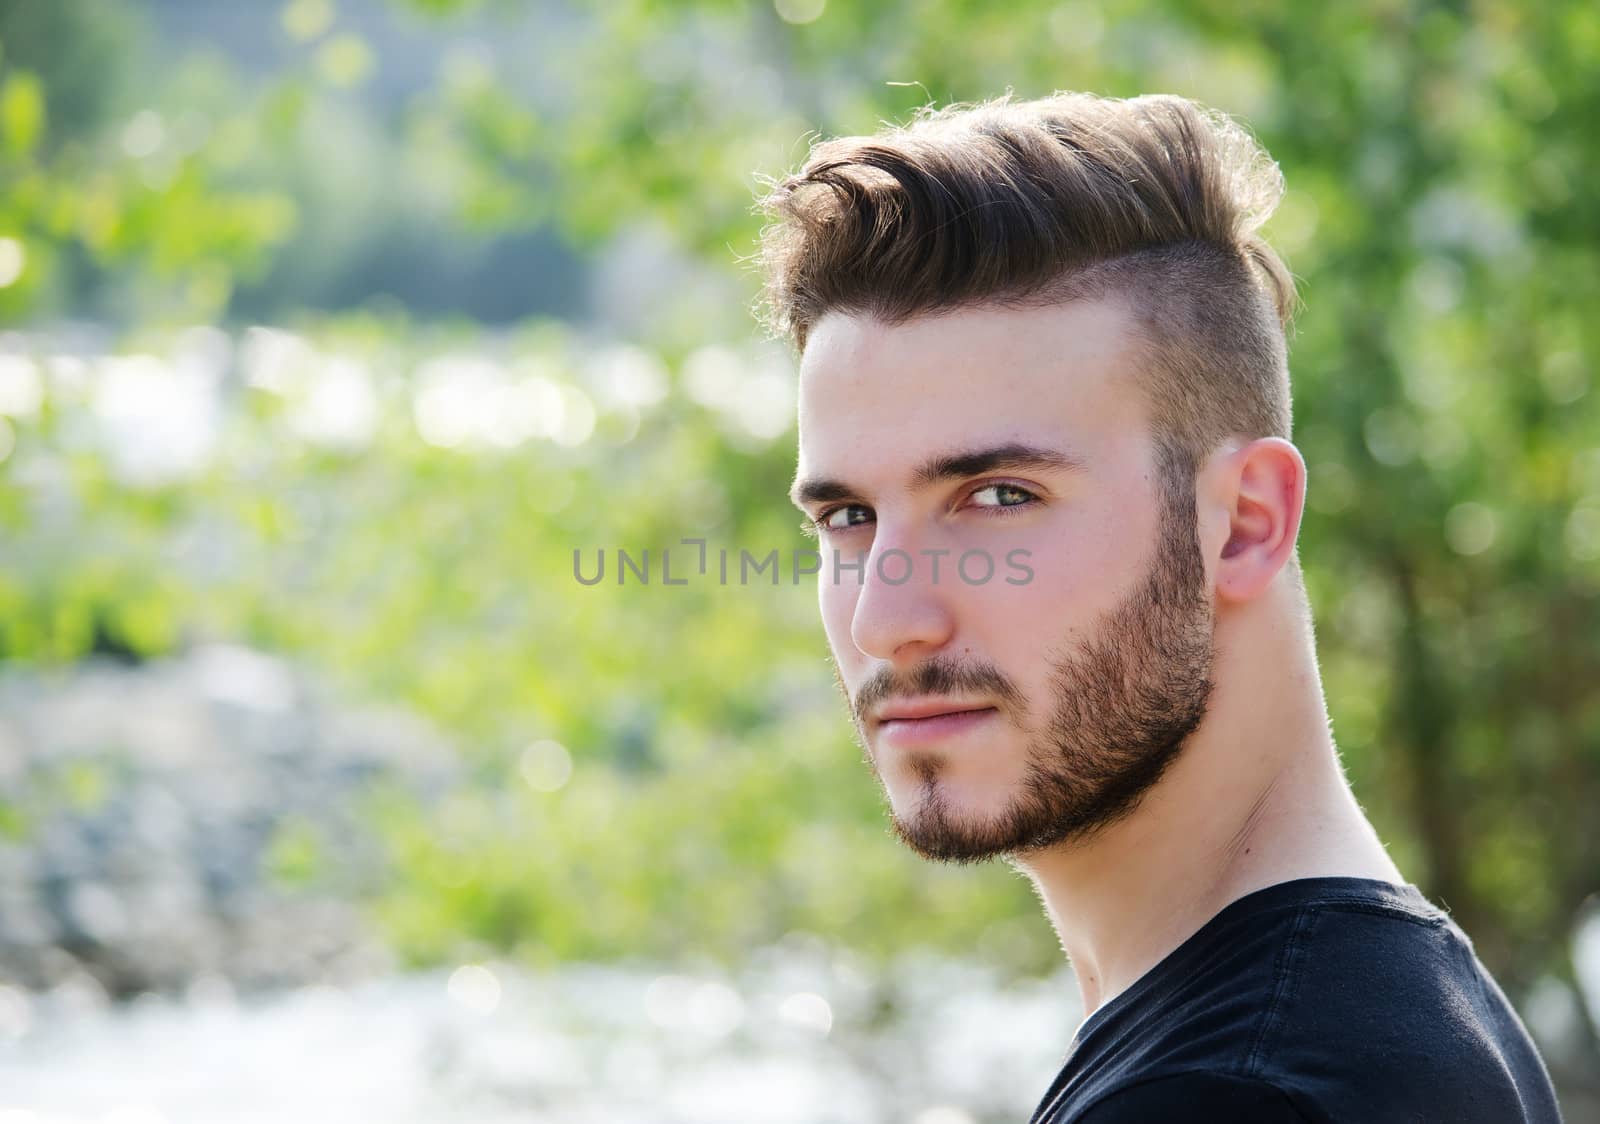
1294	963
1196	1097
1385	1012
1348	967
1324	999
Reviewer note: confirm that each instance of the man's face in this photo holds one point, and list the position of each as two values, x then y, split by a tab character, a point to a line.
1033	707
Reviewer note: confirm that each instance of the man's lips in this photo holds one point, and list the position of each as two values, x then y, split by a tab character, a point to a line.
927	725
929	708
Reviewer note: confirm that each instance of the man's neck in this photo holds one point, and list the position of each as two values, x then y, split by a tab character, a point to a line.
1255	798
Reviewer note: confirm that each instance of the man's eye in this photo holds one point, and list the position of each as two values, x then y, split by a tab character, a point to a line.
1002	495
843	518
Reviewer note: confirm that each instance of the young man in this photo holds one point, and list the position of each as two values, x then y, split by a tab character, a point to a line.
1044	437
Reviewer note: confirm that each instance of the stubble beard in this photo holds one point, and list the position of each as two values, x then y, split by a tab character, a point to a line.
1124	703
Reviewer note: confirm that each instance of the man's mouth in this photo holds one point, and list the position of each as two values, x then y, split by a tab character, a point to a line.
922	724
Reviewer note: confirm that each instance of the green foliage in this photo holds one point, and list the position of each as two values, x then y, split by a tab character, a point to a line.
86	200
295	855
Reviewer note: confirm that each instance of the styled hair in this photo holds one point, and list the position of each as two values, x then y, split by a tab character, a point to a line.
1023	204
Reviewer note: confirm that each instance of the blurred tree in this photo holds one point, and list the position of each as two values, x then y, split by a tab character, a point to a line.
82	200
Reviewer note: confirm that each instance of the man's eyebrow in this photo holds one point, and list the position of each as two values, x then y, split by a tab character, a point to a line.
947	466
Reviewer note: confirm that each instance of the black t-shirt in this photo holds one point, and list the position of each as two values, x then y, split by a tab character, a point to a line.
1321	999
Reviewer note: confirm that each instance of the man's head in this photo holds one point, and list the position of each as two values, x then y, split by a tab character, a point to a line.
1026	328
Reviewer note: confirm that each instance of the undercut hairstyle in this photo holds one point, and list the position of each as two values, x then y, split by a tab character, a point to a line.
1024	204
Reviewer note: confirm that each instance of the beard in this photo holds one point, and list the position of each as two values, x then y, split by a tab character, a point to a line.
1122	705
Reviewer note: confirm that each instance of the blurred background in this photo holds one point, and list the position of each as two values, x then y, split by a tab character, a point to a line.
330	329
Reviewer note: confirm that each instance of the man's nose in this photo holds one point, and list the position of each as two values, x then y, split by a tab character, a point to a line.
902	614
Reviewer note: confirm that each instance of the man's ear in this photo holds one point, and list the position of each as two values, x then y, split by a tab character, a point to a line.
1259	493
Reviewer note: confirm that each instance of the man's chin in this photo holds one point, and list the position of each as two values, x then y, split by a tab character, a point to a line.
942	828
945	847
933	833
